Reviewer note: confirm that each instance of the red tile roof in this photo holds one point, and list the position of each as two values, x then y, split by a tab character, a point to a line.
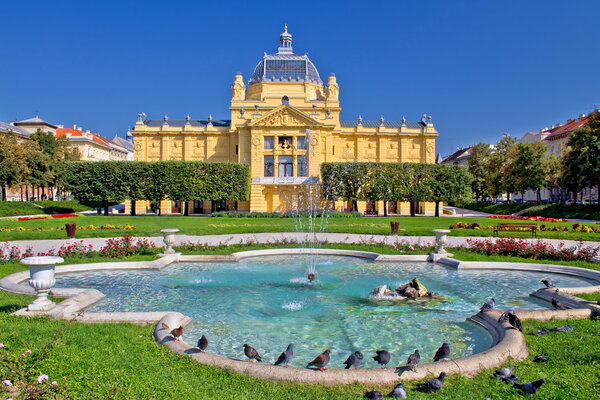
563	130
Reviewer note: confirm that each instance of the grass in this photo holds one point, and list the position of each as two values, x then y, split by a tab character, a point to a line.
151	226
589	296
554	210
122	360
496	208
575	211
10	208
62	206
17	208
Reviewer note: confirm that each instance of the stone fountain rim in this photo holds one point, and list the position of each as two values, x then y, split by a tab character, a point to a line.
507	342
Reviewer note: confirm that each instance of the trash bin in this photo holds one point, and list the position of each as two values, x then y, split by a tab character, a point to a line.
71	228
394	225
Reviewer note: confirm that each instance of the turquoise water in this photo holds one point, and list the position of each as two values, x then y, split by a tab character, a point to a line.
267	302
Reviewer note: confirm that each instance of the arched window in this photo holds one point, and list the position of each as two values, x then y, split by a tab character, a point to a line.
285	100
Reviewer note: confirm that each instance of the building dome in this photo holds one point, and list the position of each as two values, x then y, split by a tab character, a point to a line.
285	66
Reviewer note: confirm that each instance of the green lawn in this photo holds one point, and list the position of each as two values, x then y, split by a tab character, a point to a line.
496	208
151	226
122	361
13	208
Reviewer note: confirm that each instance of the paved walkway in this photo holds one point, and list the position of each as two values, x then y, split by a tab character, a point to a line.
44	246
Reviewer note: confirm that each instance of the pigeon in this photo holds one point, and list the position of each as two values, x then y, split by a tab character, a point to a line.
399	392
382	357
547	283
530	387
442	352
540	332
413	360
539	358
286	356
504	372
567	328
509	379
557	304
251	353
373	394
515	322
433	385
321	361
488	305
504	316
354	360
177	332
203	343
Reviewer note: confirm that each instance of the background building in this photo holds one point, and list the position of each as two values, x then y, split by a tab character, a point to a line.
93	147
284	123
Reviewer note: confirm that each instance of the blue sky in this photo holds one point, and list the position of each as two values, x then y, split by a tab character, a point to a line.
480	68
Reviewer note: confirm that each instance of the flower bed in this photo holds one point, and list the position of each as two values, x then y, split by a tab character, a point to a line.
525	249
19	376
532	218
557	228
125	227
115	248
47	217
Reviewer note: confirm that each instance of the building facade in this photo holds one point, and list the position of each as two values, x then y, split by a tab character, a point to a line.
93	147
284	123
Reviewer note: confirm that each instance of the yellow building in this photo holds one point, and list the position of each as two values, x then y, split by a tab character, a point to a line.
284	123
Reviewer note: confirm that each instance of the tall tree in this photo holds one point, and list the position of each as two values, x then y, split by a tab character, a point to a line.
501	176
450	184
479	168
529	167
13	164
581	162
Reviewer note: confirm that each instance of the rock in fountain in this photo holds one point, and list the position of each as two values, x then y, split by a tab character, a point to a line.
411	290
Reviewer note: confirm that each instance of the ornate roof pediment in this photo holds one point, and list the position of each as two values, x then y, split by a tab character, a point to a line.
285	115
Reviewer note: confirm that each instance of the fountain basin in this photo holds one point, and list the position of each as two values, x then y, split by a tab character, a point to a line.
268	302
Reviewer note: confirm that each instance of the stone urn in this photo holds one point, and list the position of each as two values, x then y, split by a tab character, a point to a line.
41	278
169	239
441	238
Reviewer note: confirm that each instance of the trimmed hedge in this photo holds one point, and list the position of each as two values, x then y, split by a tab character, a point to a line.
116	181
237	214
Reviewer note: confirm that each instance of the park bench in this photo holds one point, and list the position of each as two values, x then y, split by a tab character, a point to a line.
516	227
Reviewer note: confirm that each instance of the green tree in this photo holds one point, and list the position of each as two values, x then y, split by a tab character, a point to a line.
500	177
529	167
581	162
479	168
13	164
450	184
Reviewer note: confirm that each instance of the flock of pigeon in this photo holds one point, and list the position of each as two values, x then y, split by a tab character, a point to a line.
383	357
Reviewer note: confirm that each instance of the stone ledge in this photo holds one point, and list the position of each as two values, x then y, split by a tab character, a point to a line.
508	344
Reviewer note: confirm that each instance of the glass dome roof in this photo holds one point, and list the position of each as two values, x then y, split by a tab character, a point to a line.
285	66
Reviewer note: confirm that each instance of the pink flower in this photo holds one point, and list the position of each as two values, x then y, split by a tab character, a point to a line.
27	351
1	345
6	383
41	378
54	383
64	378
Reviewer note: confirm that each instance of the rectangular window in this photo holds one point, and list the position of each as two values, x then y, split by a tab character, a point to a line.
268	142
333	150
237	149
286	166
301	141
285	142
269	166
302	167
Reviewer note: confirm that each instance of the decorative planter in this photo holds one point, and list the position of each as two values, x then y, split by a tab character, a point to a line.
169	239
441	239
41	274
394	225
71	228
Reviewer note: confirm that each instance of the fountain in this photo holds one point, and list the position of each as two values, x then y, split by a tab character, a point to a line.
310	214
